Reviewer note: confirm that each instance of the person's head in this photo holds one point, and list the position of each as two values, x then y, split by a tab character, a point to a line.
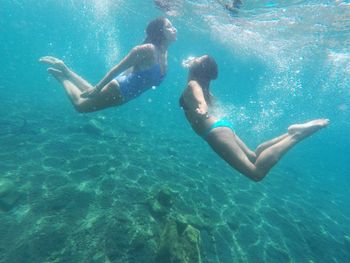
237	3
204	68
160	31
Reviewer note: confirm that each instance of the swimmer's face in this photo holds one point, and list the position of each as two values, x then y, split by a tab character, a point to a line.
169	31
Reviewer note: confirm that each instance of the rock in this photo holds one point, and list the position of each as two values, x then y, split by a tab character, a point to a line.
179	243
6	186
164	197
192	220
160	204
156	209
8	195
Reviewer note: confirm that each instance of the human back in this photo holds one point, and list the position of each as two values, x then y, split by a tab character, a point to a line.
196	99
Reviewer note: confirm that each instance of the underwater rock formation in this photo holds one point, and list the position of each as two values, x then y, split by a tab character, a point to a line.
6	186
179	243
160	204
8	195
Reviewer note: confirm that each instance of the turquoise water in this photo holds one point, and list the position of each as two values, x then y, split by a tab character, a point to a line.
78	187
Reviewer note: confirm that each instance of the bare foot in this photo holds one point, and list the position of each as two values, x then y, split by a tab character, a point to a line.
301	131
54	62
58	74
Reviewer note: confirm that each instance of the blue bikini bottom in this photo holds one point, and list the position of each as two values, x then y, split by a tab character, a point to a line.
219	123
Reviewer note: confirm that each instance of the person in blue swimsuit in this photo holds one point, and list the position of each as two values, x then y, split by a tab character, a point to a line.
196	101
144	67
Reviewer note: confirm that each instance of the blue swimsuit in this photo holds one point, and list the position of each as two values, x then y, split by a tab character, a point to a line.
134	84
217	124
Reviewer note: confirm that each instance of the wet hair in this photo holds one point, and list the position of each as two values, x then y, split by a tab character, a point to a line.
207	69
155	31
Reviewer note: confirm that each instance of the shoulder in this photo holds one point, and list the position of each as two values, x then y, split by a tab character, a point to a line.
144	49
193	86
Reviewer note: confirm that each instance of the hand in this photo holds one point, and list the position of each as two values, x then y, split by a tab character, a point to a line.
202	112
90	93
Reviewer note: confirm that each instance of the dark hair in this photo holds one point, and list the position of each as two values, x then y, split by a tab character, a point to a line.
207	69
155	30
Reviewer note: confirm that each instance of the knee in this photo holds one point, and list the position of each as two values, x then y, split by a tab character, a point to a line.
257	179
256	176
259	150
252	156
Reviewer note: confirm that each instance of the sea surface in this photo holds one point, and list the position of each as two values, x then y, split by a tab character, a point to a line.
106	186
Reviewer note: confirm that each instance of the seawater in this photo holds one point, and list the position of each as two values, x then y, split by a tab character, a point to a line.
80	187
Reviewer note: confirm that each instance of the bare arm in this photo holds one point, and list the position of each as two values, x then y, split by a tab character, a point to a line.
195	100
138	55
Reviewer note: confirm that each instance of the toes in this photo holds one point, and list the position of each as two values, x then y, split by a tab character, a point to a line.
49	60
325	122
45	60
54	71
42	59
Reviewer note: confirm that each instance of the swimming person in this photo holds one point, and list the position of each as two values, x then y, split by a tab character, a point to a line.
170	7
144	67
196	101
232	7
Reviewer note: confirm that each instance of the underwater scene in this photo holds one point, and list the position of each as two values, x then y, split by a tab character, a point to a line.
134	183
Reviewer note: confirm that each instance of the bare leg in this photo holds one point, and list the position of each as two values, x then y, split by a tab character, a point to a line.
252	156
109	95
248	152
79	81
58	64
269	143
224	143
296	133
72	91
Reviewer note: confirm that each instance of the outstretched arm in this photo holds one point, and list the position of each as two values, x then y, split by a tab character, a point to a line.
138	55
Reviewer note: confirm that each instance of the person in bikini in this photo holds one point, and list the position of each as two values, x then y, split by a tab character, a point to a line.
144	67
196	101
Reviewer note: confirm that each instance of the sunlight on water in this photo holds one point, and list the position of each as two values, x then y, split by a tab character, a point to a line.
105	12
341	61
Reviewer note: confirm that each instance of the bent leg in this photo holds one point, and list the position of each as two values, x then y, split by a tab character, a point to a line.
224	142
250	154
265	145
81	83
58	64
254	155
73	92
109	95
